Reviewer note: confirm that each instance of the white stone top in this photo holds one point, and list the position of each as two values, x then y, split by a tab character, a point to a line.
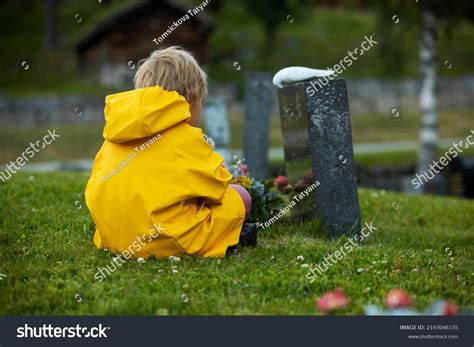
296	74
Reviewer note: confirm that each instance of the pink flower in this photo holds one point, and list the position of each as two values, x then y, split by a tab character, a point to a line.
397	298
331	301
450	309
281	181
244	170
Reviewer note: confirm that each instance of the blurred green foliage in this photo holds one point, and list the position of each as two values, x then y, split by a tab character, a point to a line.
255	35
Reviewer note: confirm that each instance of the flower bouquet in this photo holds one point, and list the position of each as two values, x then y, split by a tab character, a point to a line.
302	186
266	199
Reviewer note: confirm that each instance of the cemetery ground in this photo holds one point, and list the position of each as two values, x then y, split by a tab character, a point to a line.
83	141
422	244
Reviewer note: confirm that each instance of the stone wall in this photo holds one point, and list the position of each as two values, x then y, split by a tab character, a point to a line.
365	96
377	96
44	110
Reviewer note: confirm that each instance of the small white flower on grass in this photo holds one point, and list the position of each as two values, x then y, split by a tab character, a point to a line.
304	265
175	259
160	270
141	260
414	270
429	250
174	271
450	265
361	269
384	262
31	178
300	258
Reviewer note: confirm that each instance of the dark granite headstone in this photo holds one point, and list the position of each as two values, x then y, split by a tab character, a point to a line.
317	137
258	104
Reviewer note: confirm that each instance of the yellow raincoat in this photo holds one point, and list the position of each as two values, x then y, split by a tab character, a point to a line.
157	187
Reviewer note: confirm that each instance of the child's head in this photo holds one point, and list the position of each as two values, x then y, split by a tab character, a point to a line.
175	69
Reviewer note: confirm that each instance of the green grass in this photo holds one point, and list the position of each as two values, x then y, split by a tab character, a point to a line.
454	123
397	158
48	259
76	142
83	141
385	159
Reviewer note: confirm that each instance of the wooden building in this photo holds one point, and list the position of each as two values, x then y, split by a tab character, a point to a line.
110	51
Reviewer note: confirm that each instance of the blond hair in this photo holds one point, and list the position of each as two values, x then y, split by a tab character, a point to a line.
173	69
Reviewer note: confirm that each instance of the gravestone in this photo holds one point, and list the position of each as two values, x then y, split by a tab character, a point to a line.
258	105
216	123
317	137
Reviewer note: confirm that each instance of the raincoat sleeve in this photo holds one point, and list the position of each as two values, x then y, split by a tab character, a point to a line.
201	167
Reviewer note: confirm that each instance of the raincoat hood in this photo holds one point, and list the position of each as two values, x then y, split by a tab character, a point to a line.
142	112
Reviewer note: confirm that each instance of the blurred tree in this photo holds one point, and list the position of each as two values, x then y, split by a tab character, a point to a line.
429	15
272	13
428	68
51	32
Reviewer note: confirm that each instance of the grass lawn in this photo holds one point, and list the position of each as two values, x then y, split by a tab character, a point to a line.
83	141
454	123
49	261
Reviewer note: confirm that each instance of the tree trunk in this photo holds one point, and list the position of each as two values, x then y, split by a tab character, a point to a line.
269	46
51	34
429	116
